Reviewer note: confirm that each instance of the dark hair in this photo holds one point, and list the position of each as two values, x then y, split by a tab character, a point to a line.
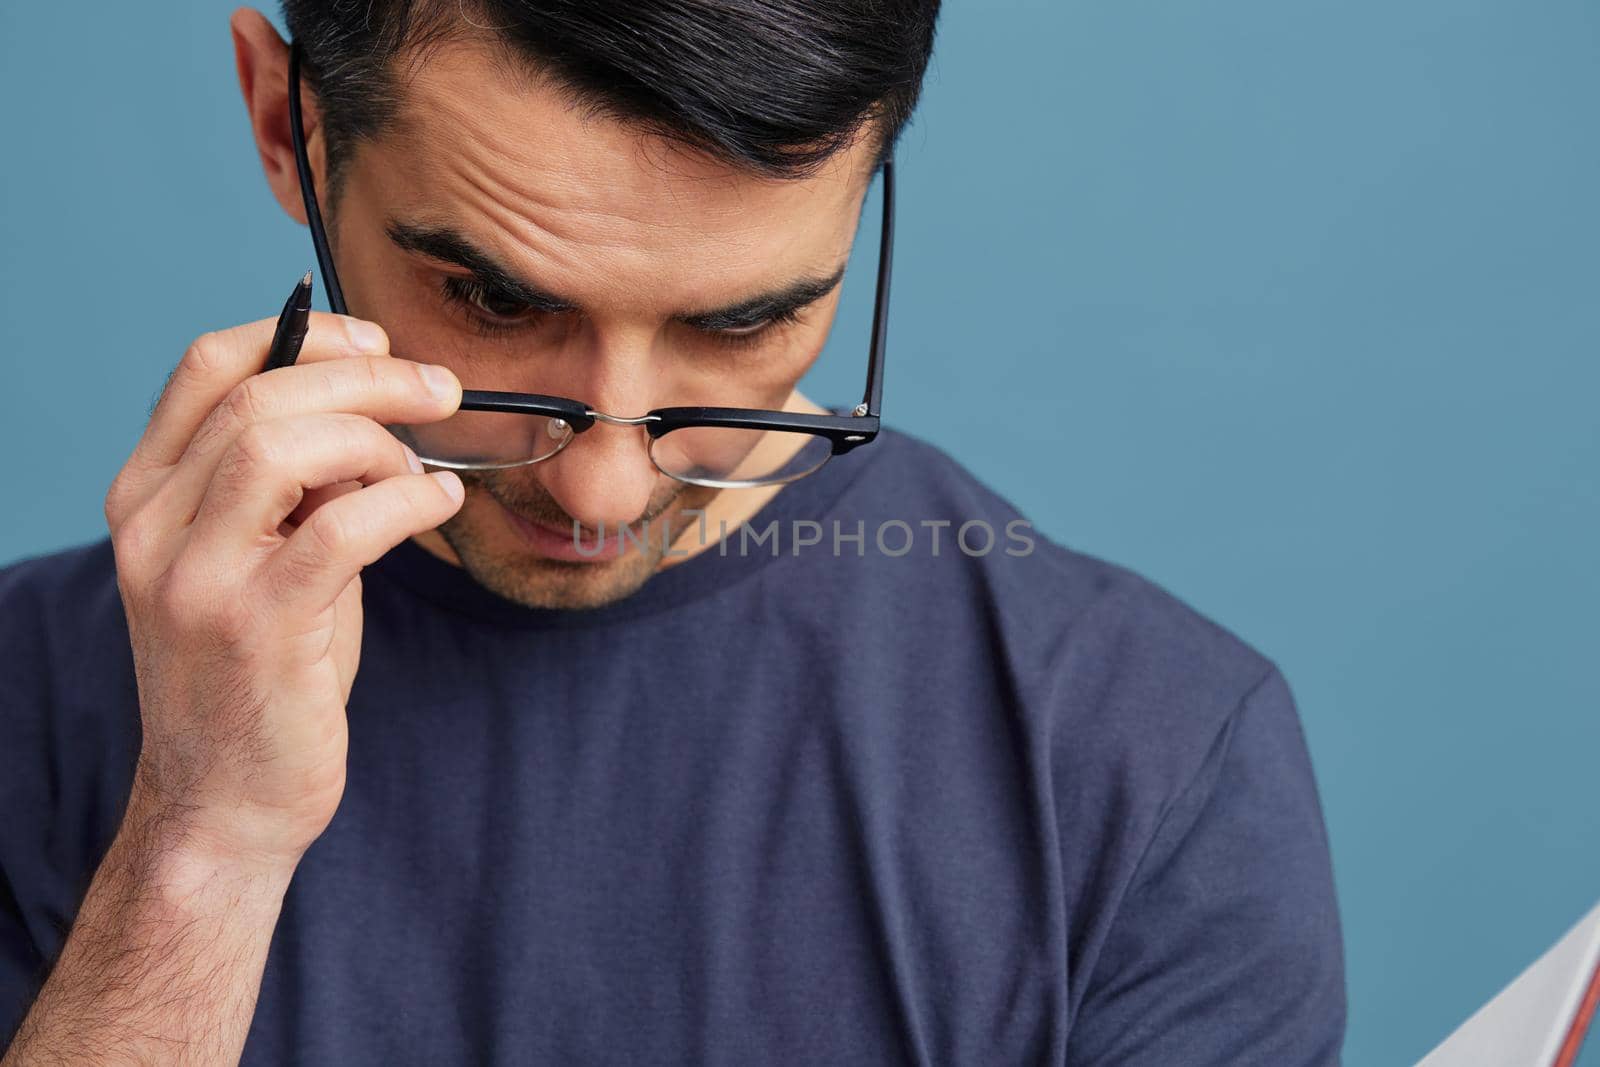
774	85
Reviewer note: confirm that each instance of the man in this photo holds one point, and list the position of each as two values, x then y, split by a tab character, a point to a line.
322	757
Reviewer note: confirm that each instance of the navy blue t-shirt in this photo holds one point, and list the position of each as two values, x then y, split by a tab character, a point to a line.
791	803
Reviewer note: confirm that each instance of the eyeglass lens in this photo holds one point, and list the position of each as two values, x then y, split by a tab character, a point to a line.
724	457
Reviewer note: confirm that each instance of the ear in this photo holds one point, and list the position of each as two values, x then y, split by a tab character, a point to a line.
263	61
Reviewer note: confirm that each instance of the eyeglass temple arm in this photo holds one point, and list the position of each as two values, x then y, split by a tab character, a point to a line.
873	399
308	191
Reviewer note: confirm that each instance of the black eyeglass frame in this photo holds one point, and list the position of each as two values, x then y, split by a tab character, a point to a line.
844	432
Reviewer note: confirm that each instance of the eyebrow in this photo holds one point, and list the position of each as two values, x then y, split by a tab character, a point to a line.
448	246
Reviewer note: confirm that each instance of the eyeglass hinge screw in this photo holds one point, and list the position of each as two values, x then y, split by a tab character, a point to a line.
861	409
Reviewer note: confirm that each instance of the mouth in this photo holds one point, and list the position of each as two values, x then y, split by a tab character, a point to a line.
560	543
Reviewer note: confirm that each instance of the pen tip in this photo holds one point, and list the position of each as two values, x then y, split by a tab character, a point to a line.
307	279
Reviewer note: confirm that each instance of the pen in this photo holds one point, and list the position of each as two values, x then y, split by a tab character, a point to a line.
292	324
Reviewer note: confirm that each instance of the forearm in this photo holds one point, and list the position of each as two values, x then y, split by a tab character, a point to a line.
164	962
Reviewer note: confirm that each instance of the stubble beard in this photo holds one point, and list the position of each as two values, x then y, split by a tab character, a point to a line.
536	581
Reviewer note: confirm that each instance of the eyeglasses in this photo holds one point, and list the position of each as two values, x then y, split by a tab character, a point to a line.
719	447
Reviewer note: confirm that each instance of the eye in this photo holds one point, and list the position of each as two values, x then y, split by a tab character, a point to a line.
491	304
755	332
490	312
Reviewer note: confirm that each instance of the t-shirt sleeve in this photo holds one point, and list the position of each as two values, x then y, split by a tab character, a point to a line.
69	739
21	969
1226	948
22	694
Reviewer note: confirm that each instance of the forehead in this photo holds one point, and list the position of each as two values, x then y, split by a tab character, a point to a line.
503	153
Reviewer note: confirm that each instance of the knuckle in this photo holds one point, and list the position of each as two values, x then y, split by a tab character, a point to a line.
385	382
244	403
241	407
349	379
330	532
350	426
257	447
230	619
329	379
391	379
360	435
204	354
209	435
373	376
130	542
186	595
254	468
293	572
118	501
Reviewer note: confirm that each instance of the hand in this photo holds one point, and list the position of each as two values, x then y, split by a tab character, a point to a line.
240	525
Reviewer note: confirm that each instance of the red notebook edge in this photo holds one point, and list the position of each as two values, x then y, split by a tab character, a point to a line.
1580	1022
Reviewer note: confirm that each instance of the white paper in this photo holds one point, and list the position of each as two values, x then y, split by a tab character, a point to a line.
1527	1021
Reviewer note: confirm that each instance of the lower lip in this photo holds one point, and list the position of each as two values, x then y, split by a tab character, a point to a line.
553	545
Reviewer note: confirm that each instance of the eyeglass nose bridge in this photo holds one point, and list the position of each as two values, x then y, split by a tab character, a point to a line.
618	420
637	420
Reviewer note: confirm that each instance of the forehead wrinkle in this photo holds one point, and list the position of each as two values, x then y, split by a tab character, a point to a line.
543	199
610	158
526	227
631	265
587	204
458	124
538	214
591	271
527	249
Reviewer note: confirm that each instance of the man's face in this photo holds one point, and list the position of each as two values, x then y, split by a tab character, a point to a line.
489	172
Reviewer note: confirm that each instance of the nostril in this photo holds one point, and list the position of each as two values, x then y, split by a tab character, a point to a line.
603	485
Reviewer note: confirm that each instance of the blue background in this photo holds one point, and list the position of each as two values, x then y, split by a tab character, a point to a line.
1291	307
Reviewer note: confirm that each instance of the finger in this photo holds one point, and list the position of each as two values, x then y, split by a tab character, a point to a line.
213	365
326	553
264	475
313	500
380	388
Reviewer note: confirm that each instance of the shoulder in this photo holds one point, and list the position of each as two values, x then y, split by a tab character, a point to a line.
1065	608
1169	750
1123	675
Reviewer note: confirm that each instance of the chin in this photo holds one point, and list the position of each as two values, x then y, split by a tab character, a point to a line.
511	571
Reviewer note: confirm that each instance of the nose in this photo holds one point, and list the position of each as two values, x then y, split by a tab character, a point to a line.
604	475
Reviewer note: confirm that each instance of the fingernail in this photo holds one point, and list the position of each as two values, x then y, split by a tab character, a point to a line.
415	463
452	484
365	336
440	382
